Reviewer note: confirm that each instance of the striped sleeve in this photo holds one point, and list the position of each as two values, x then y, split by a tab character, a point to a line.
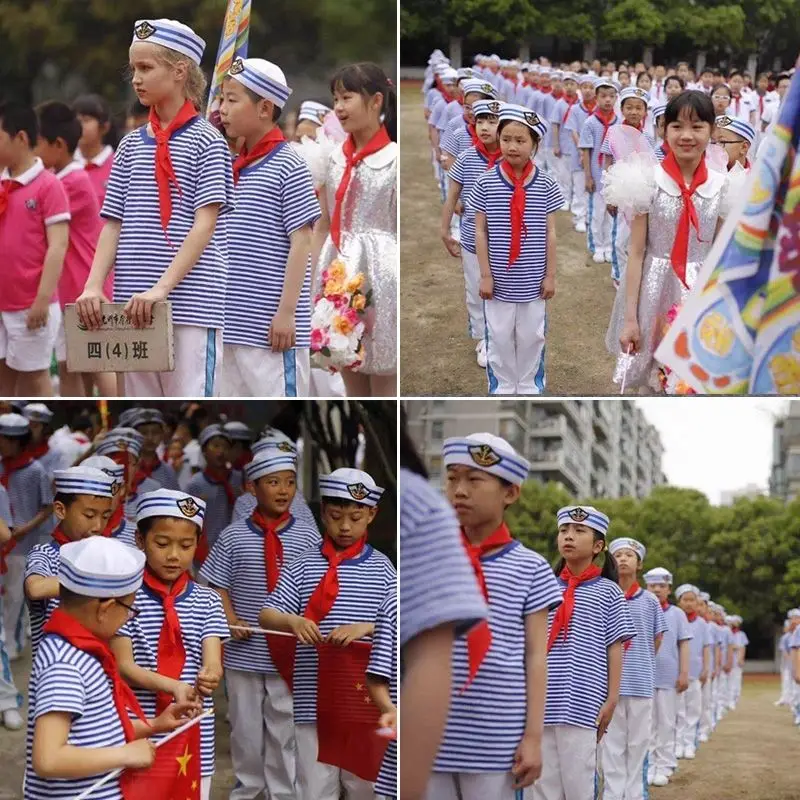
214	176
554	197
659	620
384	640
457	170
619	622
214	622
59	689
544	593
38	563
217	567
299	205
555	113
5	507
45	488
286	597
586	141
118	181
605	148
477	197
684	629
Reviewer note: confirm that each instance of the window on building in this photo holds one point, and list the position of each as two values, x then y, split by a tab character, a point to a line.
437	430
793	465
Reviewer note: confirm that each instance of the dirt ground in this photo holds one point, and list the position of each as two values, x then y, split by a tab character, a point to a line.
437	357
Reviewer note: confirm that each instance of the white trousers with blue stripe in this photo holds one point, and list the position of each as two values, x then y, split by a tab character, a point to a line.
598	223
472	786
515	338
665	720
472	279
690	707
569	764
258	372
15	622
9	696
705	712
624	750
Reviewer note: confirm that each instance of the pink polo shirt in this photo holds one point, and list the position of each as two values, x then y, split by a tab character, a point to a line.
98	170
39	202
84	230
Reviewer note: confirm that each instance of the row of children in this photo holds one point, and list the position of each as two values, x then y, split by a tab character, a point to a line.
106	600
543	680
789	649
620	162
237	248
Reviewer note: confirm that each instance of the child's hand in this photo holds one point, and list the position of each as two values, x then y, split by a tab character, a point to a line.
173	716
630	338
240	635
345	634
452	246
88	308
37	314
604	718
590	184
140	307
208	679
683	684
703	677
305	630
185	694
527	762
557	151
459	208
388	720
486	287
548	290
139	754
612	210
282	331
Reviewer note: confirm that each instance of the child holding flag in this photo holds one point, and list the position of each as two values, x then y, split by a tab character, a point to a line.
330	594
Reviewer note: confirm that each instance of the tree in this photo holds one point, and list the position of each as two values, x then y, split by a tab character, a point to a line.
634	21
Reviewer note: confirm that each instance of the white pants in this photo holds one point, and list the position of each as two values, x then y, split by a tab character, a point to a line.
786	684
714	701
471	786
598	223
545	158
735	687
624	750
515	338
198	358
317	781
205	787
472	279
322	383
620	237
662	743
705	713
9	696
258	372
569	764
561	170
579	196
28	350
690	706
262	735
722	696
15	625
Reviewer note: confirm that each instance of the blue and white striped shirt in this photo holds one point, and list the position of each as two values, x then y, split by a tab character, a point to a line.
591	138
218	510
164	475
468	167
606	147
491	195
202	617
487	720
363	583
667	662
274	198
126	533
132	500
246	504
30	489
697	644
569	150
5	507
202	165
43	560
456	138
236	564
577	670
639	660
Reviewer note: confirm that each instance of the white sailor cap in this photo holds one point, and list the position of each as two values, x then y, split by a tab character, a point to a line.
14	425
585	78
449	75
535	68
238	431
106	465
793	613
144	416
730	619
100	567
504	62
514	113
705	597
737	126
262	77
207	434
465	72
85	480
171	34
658	575
635	93
659	109
269	461
485	107
171	503
488	453
631	544
274	440
354	485
442	66
600	83
584	515
557	75
545	71
478	85
525	66
684	588
737	620
119	440
571	76
127	416
494	57
311	111
37	412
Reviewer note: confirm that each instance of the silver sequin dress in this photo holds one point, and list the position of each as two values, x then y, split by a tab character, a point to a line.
660	288
369	246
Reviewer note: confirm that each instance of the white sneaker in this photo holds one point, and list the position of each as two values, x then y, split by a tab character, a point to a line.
608	256
580	227
659	779
12	719
598	258
689	753
678	752
702	738
481	353
565	207
650	777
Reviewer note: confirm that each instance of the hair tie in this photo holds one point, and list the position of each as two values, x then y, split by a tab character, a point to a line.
389	82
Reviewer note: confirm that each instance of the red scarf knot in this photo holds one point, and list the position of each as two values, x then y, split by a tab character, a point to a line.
13	464
273	546
629	595
265	146
570	101
563	614
223	477
664	605
321	601
691	616
491	156
518	229
115	520
59	537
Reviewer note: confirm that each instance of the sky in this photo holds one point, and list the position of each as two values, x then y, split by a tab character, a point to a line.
715	444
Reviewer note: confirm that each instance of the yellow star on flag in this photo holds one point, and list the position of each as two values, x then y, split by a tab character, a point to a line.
184	761
194	786
359	687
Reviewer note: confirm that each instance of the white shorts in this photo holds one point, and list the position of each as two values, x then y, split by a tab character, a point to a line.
258	372
61	343
24	350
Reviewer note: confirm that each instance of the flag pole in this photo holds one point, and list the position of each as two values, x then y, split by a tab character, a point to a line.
117	772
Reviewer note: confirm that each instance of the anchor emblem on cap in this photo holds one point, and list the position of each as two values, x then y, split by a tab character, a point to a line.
723	122
188	507
144	31
487	88
237	67
285	447
483	455
531	118
115	487
358	491
321	114
494	107
578	514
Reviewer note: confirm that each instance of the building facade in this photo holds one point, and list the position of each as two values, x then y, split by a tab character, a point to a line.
784	480
595	448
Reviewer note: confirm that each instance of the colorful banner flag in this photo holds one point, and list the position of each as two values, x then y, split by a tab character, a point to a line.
739	330
105	416
347	719
232	44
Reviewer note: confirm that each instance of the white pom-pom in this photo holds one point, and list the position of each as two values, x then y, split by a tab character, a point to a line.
315	154
734	189
630	185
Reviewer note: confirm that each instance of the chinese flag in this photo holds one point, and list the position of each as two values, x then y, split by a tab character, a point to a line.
175	773
347	719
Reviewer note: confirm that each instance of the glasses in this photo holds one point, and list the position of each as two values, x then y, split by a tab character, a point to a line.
723	141
720	97
133	612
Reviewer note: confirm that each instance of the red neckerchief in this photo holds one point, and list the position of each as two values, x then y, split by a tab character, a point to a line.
589	107
606	119
273	547
90	165
473	134
639	127
546	90
375	144
165	173
243	460
6	188
570	102
491	156
144	469
564	613
114	521
629	595
39	450
691	616
479	639
518	229
13	464
321	601
221	476
59	537
558	95
171	650
680	247
444	92
264	147
738	99
664	605
69	629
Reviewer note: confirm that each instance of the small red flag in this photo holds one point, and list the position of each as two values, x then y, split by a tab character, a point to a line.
175	774
347	719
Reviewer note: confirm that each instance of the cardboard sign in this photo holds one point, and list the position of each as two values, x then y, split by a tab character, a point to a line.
117	346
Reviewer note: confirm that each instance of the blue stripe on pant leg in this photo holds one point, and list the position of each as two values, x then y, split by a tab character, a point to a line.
589	217
489	374
645	787
19	629
614	259
211	361
539	379
290	373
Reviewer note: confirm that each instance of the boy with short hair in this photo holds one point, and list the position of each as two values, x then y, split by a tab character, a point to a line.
149	422
736	137
330	594
34	236
117	526
310	119
244	566
40	418
171	604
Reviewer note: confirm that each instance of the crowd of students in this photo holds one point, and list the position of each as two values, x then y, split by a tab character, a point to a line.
789	648
537	682
228	225
647	161
130	572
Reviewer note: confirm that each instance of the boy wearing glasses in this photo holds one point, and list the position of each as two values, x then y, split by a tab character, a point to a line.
735	136
171	607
